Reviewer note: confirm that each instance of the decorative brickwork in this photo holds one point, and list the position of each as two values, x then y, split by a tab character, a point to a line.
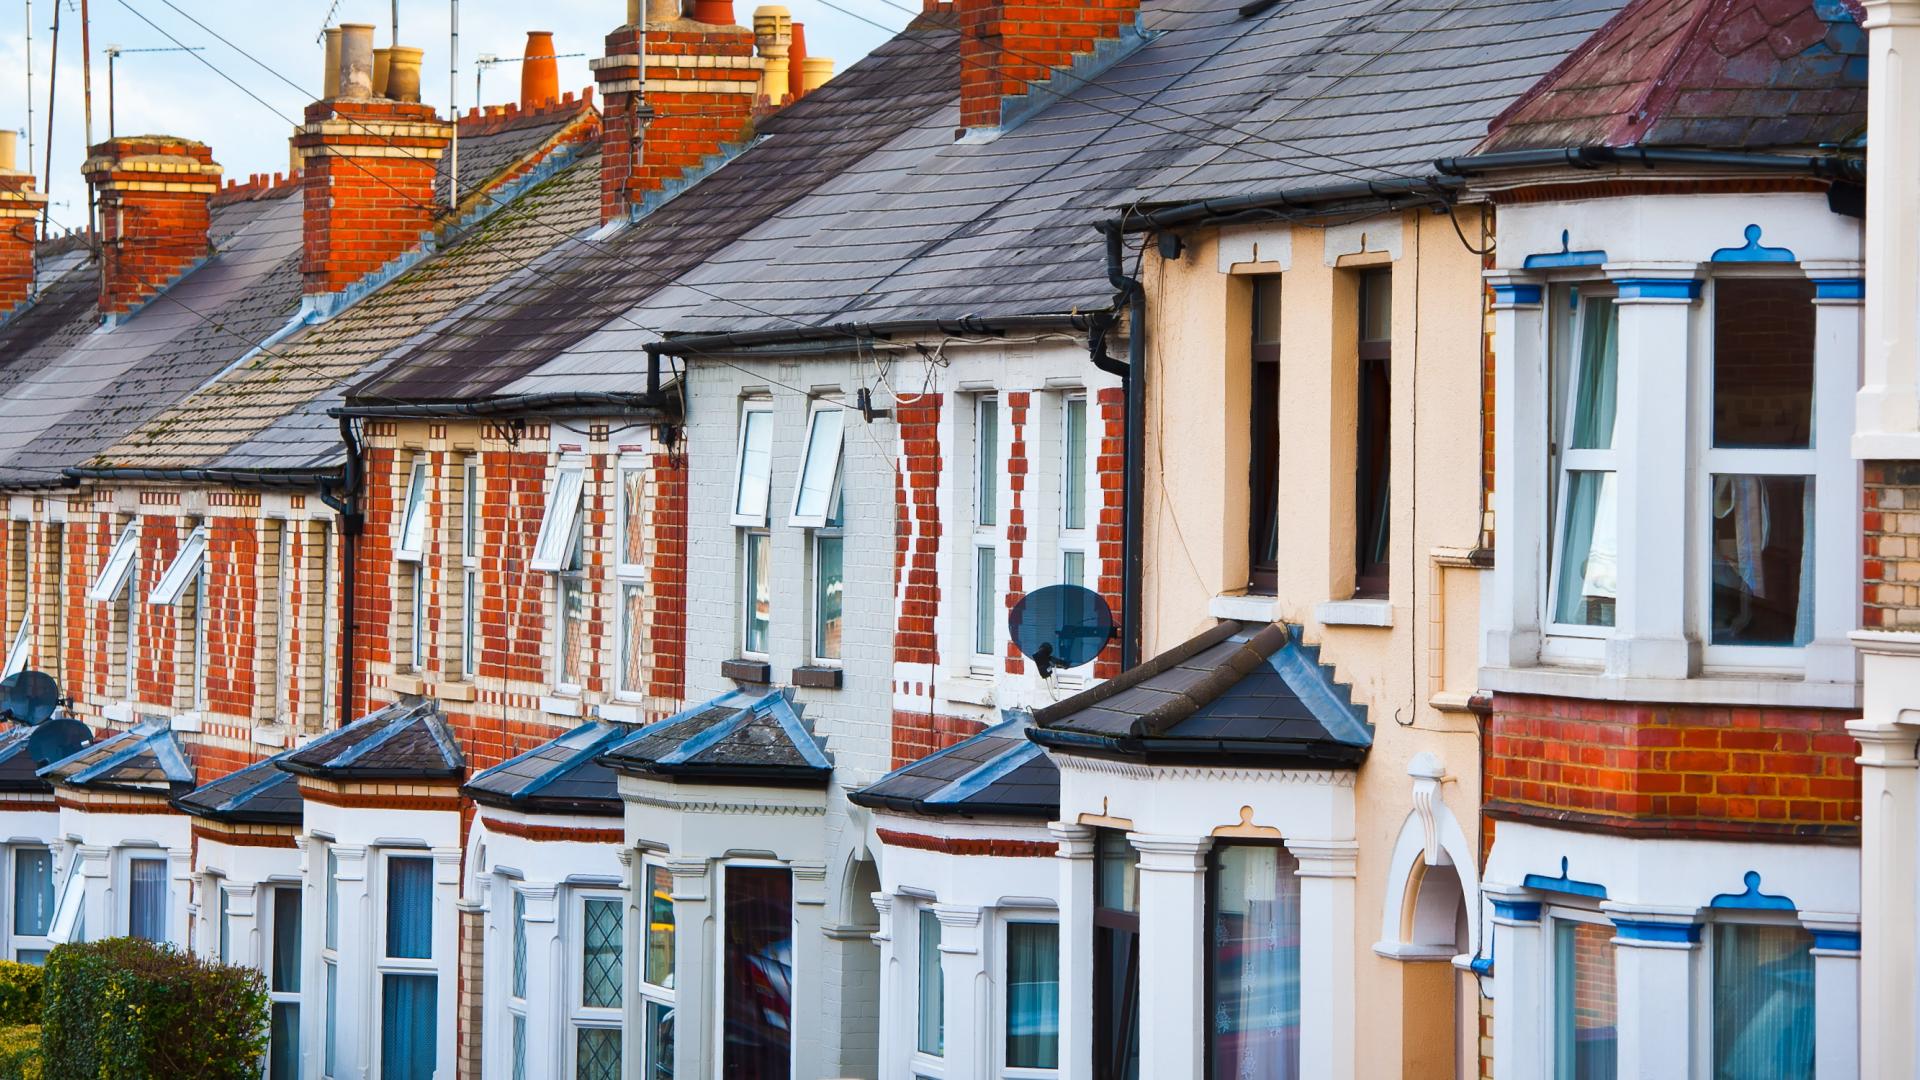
20	207
1018	470
917	533
369	168
154	194
1890	571
1112	470
950	845
1007	46
1674	770
917	734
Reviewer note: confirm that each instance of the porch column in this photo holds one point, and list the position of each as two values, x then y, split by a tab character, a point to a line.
243	926
357	1027
1836	995
1889	802
546	983
1327	1026
814	1026
892	994
1650	630
1836	600
1653	964
694	962
1519	1012
1173	951
963	967
1888	416
1074	857
179	895
1512	629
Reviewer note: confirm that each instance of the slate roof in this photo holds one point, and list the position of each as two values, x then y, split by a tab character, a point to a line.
996	773
563	775
1237	692
741	736
405	740
19	773
1724	74
260	794
144	758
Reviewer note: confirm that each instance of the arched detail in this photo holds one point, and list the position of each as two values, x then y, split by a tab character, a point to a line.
473	883
1411	877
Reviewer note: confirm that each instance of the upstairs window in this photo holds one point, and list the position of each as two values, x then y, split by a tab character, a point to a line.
752	482
1263	430
817	506
753	469
560	550
985	569
1584	585
118	569
413	521
1372	496
560	525
186	579
469	567
182	571
631	571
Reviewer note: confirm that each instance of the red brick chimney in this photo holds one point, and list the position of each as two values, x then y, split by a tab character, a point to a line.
369	165
695	97
153	193
19	208
1007	47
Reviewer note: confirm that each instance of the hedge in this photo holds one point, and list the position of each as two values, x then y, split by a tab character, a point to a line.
19	993
131	1010
20	1053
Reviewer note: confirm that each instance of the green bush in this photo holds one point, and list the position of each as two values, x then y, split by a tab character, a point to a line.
20	1052
19	994
131	1010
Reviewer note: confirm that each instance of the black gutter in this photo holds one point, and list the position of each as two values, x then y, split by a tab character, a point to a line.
1131	295
345	502
949	810
1593	157
840	335
1306	200
1199	751
291	478
584	403
50	483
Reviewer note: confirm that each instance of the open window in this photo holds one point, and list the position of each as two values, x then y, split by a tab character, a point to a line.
17	652
753	467
119	566
413	523
559	527
183	571
819	481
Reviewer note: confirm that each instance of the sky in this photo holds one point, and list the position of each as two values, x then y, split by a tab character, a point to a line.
272	52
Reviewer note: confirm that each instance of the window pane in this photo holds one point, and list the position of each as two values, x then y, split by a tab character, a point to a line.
1762	530
1376	305
1266	308
660	927
1762	1002
1263	477
519	1047
986	601
574	601
822	467
1074	489
659	1041
410	908
469	620
601	951
333	900
599	1054
1584	1006
470	511
31	956
331	1049
1763	362
417	624
32	891
147	899
759	974
1073	568
1596	398
408	1004
987	437
633	638
829	583
226	927
755	467
633	535
1116	883
933	989
1588	552
759	594
283	1054
413	526
286	939
1372	510
519	944
1254	965
1033	995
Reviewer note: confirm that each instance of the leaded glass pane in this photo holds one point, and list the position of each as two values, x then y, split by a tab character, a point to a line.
600	968
519	1047
599	1055
659	927
519	945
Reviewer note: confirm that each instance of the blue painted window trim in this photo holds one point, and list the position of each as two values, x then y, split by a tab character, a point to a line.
1564	257
1516	294
1517	910
1640	930
1837	940
1659	288
1839	289
1752	899
1565	884
1753	251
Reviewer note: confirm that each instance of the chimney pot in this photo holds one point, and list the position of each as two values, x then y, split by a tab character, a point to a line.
403	73
658	11
9	141
539	71
817	70
713	12
356	61
330	72
154	194
773	36
382	67
796	63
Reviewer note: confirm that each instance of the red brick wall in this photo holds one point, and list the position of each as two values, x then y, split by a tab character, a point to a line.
149	237
16	240
1112	470
917	734
1674	769
363	211
686	128
667	636
1007	45
916	559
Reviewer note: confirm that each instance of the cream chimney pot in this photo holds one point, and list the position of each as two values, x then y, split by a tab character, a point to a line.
8	142
403	73
773	37
382	61
356	60
816	70
330	74
659	11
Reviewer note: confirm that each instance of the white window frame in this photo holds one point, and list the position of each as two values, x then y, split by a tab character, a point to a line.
829	414
1569	641
718	1037
578	1014
384	965
69	913
269	918
651	993
418	607
10	881
469	566
1703	957
17	652
748	567
919	1062
410	543
118	569
562	517
986	537
627	575
755	414
328	619
123	915
283	634
997	1012
514	1007
816	633
1551	915
182	571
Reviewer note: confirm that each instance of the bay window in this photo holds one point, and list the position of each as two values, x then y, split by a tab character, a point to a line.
630	575
32	903
1584	585
595	1008
1585	1002
1116	958
817	507
757	980
283	983
409	983
1763	991
656	974
1253	962
930	1028
1033	995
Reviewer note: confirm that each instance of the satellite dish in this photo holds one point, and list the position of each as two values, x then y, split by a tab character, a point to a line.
57	740
1060	626
29	697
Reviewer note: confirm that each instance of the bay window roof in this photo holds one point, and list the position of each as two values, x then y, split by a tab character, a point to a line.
563	775
1239	691
405	740
738	736
998	772
19	773
260	794
144	758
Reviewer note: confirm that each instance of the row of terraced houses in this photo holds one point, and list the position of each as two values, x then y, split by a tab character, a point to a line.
551	613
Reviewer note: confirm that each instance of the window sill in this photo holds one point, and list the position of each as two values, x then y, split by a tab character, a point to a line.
413	685
1245	607
968	690
1711	689
818	677
455	691
1374	613
620	712
757	672
120	712
273	735
560	706
186	721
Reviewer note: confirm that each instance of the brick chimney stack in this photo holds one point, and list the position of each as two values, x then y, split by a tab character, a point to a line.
153	192
369	165
20	207
674	93
1007	47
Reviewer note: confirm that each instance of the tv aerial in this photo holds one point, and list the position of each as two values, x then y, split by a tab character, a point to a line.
1060	626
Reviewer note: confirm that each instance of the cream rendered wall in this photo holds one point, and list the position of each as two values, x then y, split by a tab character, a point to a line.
1199	320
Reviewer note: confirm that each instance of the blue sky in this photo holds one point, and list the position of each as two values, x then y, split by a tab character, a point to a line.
174	93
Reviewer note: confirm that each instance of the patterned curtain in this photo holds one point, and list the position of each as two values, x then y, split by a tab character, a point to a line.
147	901
1255	964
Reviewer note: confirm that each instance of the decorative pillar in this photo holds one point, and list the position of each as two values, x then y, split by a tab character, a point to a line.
1836	600
1327	944
356	1025
546	981
812	1018
243	927
1888	414
963	967
1074	857
892	992
694	962
1650	630
1173	949
1653	964
1889	801
1836	994
1511	634
1519	1011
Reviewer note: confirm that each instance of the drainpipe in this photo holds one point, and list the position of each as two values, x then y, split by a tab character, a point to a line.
345	502
1133	298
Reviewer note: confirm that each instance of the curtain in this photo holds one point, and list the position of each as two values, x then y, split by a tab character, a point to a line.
932	998
286	939
32	891
407	1011
410	908
1033	995
759	973
1596	407
1589	557
1803	617
147	900
1762	1003
283	1054
1254	964
1585	1013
